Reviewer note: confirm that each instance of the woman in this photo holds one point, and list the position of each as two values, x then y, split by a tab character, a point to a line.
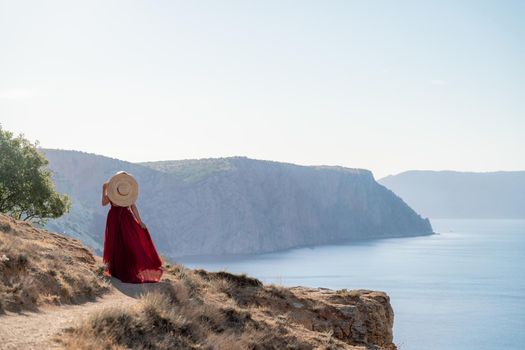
129	252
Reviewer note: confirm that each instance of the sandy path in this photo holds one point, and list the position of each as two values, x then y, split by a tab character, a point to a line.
34	330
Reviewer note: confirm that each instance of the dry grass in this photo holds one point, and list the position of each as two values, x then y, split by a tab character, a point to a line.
192	311
195	309
348	293
38	267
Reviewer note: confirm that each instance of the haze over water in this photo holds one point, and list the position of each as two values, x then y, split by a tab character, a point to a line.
461	289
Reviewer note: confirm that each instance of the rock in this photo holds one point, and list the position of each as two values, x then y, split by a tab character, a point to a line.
356	317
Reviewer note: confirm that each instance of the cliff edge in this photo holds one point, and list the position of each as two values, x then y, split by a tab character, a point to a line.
188	309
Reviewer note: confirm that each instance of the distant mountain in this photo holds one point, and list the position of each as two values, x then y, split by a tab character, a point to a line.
450	194
234	205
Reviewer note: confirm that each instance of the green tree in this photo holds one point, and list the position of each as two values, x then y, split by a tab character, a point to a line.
26	189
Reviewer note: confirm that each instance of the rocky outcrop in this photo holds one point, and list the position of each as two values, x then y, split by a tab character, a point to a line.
356	317
235	205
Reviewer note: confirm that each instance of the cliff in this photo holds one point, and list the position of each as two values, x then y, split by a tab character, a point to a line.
235	205
452	194
188	309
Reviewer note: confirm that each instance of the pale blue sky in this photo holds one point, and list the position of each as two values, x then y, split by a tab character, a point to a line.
383	85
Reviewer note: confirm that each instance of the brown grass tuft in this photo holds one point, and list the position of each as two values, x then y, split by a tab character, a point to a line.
5	227
241	280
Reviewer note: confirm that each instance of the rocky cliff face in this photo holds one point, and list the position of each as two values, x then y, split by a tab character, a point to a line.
353	318
236	205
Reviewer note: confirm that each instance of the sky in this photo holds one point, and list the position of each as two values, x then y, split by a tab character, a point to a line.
383	85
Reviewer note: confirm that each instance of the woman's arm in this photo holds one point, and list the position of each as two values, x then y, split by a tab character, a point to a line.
105	198
135	211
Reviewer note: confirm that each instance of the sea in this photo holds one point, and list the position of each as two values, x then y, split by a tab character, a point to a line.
462	288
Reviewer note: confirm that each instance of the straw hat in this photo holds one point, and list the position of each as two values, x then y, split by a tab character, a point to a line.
123	189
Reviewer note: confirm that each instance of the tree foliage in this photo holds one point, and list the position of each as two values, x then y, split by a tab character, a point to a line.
26	189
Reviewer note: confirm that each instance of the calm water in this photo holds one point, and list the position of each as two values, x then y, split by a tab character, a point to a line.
461	289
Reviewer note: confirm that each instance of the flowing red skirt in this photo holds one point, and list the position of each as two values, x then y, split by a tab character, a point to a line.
129	252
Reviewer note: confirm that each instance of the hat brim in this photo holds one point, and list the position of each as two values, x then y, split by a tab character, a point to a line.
123	200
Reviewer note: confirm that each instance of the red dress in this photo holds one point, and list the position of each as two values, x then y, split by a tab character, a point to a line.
128	249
